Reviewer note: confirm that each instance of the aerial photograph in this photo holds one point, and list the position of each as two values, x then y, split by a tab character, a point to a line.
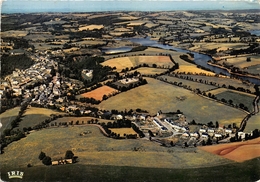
130	90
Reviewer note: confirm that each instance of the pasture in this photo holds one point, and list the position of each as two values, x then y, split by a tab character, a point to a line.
191	84
35	115
236	97
128	62
98	93
96	149
123	131
157	95
149	71
224	81
14	33
7	117
80	119
253	123
241	62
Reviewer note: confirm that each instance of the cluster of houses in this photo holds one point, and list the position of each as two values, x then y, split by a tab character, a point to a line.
39	83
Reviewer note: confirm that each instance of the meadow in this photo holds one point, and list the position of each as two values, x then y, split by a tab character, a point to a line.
192	84
96	149
224	81
149	71
128	62
34	116
7	117
241	61
236	97
157	95
123	131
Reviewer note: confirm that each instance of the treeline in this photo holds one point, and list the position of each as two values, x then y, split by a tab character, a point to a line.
10	135
10	62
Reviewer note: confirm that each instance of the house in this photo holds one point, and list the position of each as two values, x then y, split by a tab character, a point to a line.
62	161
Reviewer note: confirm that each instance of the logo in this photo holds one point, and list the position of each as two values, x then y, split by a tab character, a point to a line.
15	174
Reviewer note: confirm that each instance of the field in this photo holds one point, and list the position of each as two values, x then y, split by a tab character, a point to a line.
235	96
254	69
253	123
98	93
222	80
91	27
237	151
128	62
94	148
157	95
192	84
34	115
123	131
14	33
149	71
80	119
219	46
241	62
7	117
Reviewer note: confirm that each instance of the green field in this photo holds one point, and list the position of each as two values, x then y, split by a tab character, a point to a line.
192	84
34	116
80	119
253	123
7	117
149	71
157	95
237	98
96	149
106	159
222	80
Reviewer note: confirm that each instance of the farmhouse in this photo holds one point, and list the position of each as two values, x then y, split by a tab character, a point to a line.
62	161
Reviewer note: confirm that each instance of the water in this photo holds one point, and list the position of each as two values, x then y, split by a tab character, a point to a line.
255	32
116	50
28	6
199	59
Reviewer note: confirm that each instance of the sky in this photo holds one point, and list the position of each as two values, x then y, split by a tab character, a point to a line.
27	6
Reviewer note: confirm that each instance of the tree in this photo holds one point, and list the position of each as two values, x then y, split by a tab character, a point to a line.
46	161
42	155
69	154
217	124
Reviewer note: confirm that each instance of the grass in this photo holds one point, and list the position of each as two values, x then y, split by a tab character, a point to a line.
149	71
123	131
240	172
98	93
34	116
192	84
80	119
242	63
106	159
96	149
224	80
253	123
235	96
157	95
7	117
132	61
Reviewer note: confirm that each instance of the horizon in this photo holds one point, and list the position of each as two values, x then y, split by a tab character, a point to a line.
65	6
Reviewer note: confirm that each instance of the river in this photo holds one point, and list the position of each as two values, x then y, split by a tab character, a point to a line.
199	59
